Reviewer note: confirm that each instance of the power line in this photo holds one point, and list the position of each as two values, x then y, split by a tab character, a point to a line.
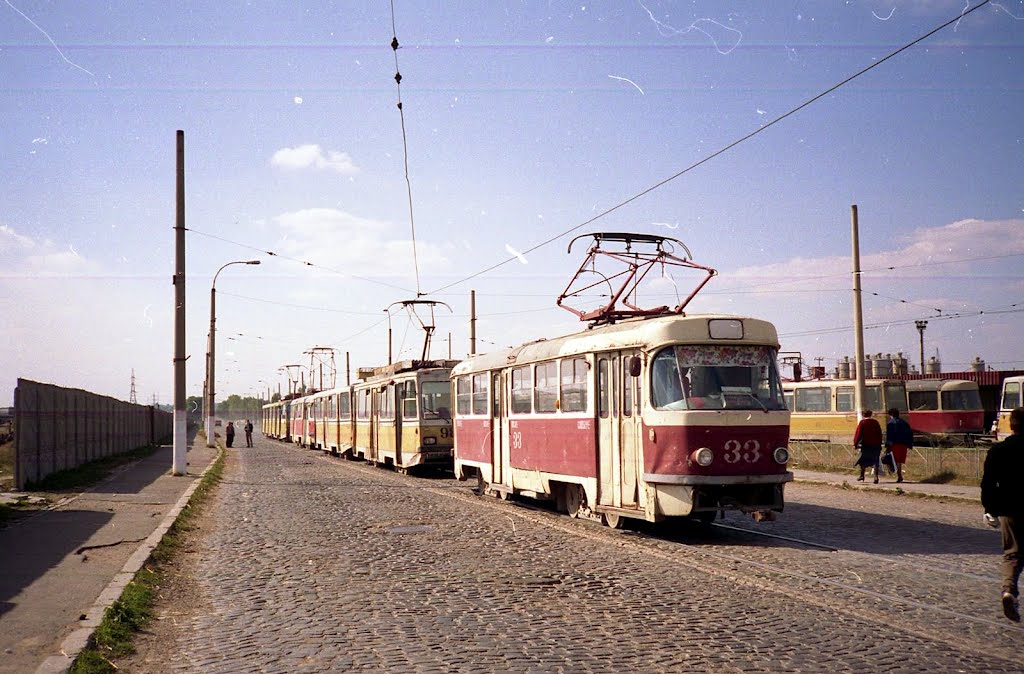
405	147
304	263
728	147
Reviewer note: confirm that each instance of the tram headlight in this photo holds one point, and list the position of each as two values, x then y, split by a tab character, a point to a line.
781	455
429	441
703	456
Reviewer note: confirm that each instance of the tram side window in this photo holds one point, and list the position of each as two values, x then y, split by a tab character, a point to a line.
873	399
574	385
923	400
1011	395
895	396
789	400
602	388
521	391
387	404
462	396
363	404
545	389
628	384
332	408
965	399
480	393
344	407
814	399
845	399
408	396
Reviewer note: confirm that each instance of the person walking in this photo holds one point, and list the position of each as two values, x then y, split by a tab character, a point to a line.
248	433
1002	496
868	438
899	439
229	432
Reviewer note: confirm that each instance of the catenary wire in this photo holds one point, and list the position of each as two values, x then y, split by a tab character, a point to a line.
305	263
405	147
723	150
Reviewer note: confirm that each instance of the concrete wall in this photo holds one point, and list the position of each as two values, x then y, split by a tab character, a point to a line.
57	428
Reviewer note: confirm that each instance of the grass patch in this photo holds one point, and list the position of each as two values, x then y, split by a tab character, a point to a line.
89	473
129	614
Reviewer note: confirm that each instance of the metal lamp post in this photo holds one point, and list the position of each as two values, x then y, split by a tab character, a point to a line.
921	325
210	389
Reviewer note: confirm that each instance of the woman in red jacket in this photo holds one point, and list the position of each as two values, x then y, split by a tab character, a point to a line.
868	438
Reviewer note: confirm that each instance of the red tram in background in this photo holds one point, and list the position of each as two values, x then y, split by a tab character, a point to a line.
945	410
653	414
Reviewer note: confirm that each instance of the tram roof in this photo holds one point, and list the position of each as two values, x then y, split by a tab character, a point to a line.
644	333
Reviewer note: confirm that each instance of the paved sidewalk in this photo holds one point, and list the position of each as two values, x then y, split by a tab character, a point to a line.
889	484
61	567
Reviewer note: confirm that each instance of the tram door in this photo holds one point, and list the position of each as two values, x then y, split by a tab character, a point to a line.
397	392
499	446
371	454
618	430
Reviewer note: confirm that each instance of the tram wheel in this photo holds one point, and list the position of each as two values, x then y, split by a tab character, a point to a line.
613	521
575	499
402	470
705	518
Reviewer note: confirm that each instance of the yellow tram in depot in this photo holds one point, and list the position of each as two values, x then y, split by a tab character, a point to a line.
1010	398
824	410
402	414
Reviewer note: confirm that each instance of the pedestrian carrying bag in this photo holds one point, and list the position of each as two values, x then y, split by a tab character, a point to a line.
889	462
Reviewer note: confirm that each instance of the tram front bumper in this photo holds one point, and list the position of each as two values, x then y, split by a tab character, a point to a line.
687	494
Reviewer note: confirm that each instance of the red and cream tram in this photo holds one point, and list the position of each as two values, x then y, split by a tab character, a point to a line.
945	409
647	418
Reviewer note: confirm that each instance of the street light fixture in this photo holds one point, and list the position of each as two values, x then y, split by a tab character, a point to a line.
210	377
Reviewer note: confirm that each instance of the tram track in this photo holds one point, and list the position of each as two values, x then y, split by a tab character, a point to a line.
831	594
917	565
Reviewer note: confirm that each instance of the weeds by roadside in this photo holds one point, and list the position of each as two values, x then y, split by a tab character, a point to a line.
89	473
129	614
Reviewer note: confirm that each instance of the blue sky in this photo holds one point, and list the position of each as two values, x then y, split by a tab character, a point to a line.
523	120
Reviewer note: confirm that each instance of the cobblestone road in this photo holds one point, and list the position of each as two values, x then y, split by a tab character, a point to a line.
309	564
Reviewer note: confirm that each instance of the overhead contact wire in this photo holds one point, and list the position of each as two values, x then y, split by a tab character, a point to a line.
405	148
728	147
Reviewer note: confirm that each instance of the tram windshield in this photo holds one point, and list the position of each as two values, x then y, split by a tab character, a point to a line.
708	377
436	400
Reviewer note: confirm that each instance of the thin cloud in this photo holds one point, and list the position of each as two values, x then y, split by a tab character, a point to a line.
337	239
312	156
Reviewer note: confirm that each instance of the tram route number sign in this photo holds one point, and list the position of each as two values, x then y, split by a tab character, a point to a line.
748	451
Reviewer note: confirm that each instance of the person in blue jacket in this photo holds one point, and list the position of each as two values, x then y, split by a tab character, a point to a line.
899	439
1002	495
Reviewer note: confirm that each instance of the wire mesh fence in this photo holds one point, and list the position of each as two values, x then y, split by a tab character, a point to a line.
923	463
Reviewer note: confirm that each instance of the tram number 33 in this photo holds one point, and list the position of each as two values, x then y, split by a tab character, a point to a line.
517	440
748	452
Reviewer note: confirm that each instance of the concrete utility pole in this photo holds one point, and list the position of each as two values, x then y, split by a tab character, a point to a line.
472	322
858	316
921	325
178	462
210	385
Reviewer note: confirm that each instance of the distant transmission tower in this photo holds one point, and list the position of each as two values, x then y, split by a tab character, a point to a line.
131	396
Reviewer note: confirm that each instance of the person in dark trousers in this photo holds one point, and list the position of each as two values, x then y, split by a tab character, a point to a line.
899	439
868	438
248	433
229	432
1002	495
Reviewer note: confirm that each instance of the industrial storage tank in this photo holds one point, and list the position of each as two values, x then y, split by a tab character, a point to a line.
933	366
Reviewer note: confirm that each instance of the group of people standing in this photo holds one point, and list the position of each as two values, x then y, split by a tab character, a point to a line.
229	433
898	440
1002	486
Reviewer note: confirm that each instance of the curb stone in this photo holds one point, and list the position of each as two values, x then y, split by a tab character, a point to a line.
79	638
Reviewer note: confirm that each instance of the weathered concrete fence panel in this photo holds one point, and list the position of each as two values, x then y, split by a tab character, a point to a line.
58	428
